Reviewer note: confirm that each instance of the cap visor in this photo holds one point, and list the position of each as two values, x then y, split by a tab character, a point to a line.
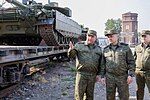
143	34
91	34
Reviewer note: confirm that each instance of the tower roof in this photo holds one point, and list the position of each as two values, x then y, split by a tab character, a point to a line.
130	14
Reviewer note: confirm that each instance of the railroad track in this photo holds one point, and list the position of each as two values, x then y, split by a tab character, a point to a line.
19	62
5	91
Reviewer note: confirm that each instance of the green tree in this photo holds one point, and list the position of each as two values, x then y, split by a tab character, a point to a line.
111	24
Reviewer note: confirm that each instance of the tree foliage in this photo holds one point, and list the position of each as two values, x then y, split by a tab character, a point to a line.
113	24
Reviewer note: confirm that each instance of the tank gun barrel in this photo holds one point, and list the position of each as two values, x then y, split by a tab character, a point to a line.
18	4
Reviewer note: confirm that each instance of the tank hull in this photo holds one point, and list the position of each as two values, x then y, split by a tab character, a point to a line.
15	30
29	26
58	30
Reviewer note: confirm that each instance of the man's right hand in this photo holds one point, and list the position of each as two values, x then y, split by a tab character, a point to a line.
103	81
71	45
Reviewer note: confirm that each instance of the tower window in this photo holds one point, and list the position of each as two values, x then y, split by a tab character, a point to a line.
127	27
132	18
136	27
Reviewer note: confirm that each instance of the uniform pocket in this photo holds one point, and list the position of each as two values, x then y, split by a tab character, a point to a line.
120	57
120	54
107	54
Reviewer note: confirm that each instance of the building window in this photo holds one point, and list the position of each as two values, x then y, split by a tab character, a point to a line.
136	27
132	18
127	27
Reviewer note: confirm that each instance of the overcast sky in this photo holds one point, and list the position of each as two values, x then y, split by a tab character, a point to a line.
94	13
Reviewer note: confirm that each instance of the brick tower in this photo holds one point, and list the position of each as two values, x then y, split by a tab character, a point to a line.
129	32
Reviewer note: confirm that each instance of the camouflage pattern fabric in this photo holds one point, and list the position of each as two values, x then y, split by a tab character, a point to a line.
120	82
88	62
88	57
142	57
142	78
84	86
119	63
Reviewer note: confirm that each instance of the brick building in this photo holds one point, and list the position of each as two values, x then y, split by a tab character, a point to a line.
129	32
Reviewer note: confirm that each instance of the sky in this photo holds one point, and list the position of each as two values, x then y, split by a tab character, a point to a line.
94	13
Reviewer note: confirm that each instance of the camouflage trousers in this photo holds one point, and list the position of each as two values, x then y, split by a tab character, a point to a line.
84	88
142	78
114	82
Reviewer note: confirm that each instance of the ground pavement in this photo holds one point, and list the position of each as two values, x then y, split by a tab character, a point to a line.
99	89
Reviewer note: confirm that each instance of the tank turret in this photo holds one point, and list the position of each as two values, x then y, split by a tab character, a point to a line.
29	23
22	6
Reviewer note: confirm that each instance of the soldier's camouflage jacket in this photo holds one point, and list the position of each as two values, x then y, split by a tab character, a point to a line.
88	57
119	61
142	56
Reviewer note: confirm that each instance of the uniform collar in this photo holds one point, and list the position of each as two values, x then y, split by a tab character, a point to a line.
93	45
118	45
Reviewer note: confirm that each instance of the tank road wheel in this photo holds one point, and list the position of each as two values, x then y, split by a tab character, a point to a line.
63	40
67	40
59	38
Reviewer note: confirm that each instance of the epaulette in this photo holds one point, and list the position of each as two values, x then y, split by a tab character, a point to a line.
106	46
125	44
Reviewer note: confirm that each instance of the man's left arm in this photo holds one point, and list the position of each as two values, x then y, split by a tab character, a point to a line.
99	66
131	63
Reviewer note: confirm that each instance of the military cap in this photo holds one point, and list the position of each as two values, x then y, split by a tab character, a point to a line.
144	32
92	32
111	31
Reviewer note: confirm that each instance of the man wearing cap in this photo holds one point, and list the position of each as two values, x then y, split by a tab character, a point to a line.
88	57
142	57
119	67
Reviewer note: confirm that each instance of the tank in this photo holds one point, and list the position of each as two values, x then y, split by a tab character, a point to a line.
32	24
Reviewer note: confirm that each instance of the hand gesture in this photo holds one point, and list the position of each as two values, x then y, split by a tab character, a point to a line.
103	81
71	45
97	78
129	80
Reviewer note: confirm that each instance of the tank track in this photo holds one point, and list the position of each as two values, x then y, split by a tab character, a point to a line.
53	37
48	34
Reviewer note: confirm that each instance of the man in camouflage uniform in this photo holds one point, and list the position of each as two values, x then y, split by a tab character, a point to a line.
119	67
88	57
142	57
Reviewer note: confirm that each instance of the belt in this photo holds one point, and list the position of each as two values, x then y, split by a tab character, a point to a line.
86	73
117	75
